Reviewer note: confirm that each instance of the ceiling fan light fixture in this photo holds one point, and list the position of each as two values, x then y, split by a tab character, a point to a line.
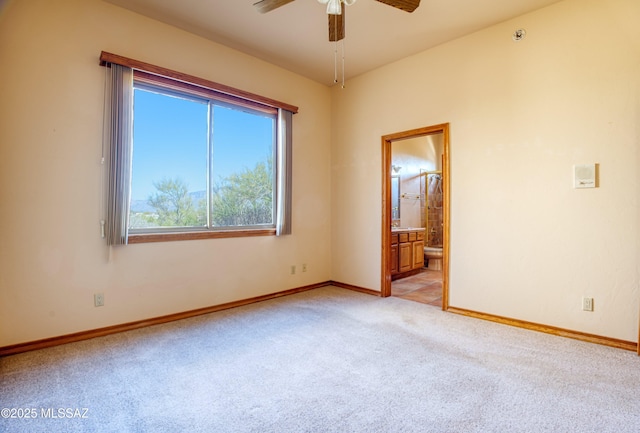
334	7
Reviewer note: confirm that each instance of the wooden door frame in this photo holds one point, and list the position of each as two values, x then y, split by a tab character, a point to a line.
386	205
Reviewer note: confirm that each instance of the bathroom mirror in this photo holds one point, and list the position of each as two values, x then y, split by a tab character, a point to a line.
395	200
415	157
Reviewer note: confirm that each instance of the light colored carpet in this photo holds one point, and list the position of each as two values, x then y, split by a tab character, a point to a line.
326	360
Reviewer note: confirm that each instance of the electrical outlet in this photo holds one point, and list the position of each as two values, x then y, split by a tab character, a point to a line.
587	304
98	300
304	267
293	269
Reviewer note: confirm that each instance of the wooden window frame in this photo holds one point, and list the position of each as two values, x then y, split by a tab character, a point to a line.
173	80
107	58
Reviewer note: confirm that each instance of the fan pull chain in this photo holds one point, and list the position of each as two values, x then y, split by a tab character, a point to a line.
335	56
335	62
342	44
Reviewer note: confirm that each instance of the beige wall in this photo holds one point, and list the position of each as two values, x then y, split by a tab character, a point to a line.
52	259
524	243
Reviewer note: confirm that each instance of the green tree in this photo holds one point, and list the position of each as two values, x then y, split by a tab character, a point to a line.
174	206
244	198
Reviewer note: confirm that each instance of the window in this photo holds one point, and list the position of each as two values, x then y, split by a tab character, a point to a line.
202	162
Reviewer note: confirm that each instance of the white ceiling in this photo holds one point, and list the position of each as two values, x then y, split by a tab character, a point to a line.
295	36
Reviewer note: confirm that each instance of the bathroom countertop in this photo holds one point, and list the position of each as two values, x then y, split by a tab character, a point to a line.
407	229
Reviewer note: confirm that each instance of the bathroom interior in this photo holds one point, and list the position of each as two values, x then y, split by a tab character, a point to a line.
417	218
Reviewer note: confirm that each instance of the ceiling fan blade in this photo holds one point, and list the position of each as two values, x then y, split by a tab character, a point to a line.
265	6
405	5
336	27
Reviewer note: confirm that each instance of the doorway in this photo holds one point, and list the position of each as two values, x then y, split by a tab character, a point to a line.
392	208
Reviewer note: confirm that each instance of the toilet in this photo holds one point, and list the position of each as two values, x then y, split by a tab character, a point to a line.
433	258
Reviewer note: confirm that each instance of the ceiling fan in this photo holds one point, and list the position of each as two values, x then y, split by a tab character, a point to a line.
335	11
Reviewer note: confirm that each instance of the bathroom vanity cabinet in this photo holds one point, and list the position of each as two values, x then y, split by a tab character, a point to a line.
407	251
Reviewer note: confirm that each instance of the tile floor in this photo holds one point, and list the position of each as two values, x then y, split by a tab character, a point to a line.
425	287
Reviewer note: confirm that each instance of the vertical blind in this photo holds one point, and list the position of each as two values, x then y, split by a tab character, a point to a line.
118	133
284	181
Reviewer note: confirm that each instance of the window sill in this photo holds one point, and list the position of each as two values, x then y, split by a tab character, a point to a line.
190	236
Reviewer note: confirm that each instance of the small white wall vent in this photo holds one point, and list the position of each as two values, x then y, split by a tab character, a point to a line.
584	176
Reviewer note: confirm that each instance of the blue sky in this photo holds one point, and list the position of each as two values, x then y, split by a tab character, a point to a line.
170	140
